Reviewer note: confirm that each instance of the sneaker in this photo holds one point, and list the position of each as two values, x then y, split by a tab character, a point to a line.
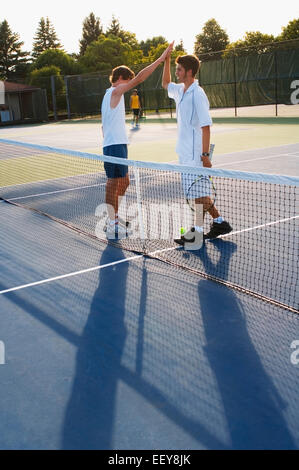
190	239
125	223
115	231
218	229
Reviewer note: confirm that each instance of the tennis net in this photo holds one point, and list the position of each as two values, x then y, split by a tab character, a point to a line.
259	257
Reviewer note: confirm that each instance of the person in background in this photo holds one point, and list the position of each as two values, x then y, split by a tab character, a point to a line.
135	106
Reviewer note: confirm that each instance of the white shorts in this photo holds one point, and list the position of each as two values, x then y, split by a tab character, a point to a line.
201	188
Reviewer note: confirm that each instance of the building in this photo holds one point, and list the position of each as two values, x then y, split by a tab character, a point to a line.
23	103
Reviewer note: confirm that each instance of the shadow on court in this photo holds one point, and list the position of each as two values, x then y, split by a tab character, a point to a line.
90	412
252	406
168	368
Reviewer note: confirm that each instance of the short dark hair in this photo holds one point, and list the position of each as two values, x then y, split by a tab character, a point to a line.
189	62
121	71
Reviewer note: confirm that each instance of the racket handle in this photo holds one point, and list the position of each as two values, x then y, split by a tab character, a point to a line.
212	146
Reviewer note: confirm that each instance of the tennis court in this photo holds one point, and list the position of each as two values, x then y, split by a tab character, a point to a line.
138	344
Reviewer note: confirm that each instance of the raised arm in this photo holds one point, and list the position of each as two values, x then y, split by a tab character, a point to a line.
142	75
166	79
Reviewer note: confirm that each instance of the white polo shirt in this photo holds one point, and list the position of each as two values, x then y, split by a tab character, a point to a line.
192	110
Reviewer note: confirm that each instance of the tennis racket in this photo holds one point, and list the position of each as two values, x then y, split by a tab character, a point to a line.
201	186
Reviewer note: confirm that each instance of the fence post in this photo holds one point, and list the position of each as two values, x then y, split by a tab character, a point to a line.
2	92
54	96
235	86
68	106
276	84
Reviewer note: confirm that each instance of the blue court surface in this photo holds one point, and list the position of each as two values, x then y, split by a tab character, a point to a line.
106	349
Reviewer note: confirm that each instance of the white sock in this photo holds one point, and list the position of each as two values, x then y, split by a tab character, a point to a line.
198	229
218	220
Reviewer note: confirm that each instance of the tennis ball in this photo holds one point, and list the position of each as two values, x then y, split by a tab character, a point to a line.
183	230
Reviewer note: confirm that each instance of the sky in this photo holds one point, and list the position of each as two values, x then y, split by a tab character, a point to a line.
172	19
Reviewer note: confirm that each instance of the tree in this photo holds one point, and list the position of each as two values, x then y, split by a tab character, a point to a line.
153	42
155	52
42	79
45	38
253	42
91	31
212	39
180	47
114	27
11	55
291	31
66	64
115	30
105	54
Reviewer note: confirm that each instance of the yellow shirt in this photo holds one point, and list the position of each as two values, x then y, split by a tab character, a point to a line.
135	102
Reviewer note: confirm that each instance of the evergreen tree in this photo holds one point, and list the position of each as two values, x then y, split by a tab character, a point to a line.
91	31
45	38
11	54
213	38
115	30
180	47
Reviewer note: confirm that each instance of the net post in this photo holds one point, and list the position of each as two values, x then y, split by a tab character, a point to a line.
139	204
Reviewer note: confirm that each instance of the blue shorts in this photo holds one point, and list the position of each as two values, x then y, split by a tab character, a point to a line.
112	169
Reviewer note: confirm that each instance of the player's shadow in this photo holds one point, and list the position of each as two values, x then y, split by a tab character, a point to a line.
90	414
252	405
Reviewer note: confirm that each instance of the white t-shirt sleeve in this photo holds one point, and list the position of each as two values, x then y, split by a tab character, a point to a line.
202	107
174	90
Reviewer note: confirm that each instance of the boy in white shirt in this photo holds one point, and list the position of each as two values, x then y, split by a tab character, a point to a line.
115	136
193	143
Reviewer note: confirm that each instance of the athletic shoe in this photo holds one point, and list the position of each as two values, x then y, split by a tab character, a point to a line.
191	240
218	229
115	231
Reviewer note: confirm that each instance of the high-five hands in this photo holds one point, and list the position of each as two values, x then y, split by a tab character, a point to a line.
167	52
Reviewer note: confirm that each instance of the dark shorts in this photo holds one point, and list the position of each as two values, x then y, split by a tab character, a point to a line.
136	112
112	169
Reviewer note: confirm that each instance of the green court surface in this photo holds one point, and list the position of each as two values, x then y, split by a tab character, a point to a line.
229	134
156	138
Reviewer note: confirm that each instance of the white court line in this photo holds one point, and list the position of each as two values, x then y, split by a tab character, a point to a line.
54	179
256	159
261	226
249	160
55	192
261	148
132	258
64	276
64	190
